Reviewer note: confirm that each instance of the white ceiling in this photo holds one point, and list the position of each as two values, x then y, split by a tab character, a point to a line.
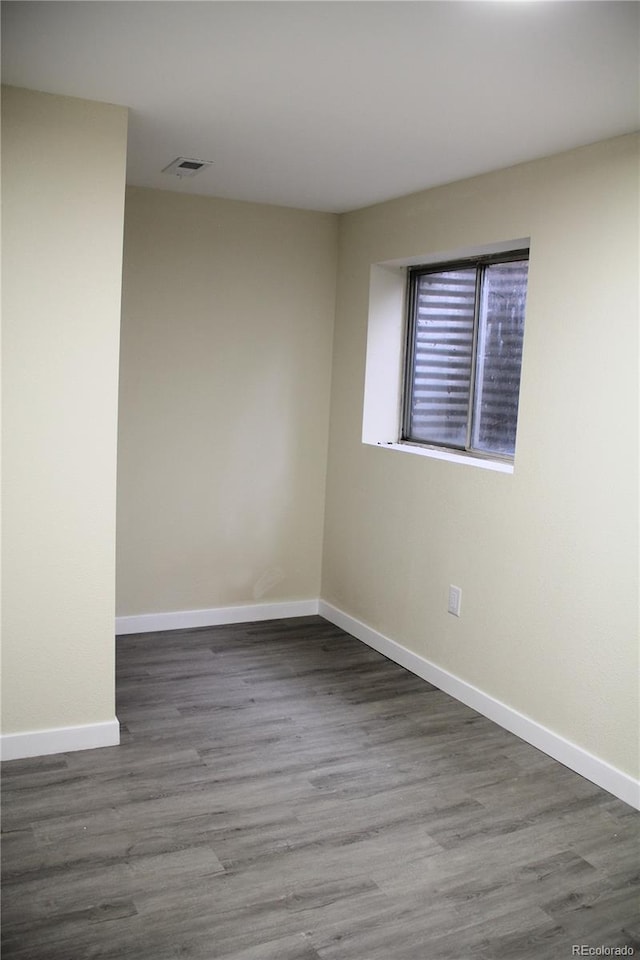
336	105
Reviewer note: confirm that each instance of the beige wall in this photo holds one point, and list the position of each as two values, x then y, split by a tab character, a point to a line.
63	168
547	558
227	327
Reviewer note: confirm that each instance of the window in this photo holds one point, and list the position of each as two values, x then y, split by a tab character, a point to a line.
464	353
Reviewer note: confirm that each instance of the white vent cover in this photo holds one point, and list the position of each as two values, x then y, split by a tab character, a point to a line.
186	166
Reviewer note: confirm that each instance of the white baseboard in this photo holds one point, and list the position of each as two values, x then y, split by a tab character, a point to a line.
216	616
37	743
620	784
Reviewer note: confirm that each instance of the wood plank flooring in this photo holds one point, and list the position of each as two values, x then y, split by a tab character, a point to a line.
282	792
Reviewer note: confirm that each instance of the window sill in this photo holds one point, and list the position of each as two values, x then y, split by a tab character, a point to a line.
498	466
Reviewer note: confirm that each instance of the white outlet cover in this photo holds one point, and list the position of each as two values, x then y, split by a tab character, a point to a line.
455	600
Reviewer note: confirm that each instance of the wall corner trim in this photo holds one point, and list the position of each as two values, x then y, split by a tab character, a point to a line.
38	743
598	771
215	616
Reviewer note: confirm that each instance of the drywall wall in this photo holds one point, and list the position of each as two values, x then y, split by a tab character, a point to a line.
547	558
63	172
227	328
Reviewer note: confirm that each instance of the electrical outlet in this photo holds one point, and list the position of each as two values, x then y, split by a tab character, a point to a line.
455	600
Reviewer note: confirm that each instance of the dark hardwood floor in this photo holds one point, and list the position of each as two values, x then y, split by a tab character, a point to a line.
282	792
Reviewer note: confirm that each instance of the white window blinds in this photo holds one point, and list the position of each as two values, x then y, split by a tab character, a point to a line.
464	355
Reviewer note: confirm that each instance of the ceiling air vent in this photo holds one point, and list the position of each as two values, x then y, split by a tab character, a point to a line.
186	166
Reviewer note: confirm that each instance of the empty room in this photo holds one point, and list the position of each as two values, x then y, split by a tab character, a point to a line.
320	553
